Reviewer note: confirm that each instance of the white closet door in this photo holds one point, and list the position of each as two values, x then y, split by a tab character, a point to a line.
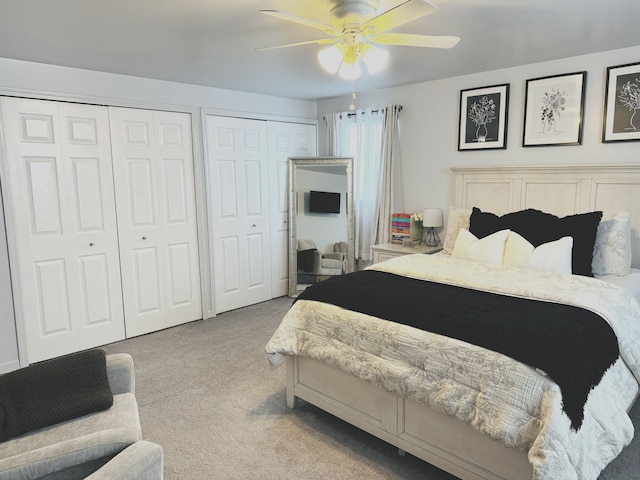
155	199
285	140
237	155
60	198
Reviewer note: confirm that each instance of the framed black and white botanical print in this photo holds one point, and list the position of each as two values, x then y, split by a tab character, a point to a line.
622	104
553	110
483	118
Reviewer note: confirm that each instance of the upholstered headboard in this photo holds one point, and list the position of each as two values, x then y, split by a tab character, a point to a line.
558	189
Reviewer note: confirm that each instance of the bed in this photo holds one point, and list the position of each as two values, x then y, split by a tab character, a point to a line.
472	411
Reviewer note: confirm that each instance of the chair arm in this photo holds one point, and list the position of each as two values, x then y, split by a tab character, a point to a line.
334	255
142	460
120	373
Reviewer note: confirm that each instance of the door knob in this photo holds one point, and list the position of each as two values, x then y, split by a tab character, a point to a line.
91	244
144	238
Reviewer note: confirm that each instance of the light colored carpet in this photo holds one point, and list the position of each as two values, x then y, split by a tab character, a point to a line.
208	395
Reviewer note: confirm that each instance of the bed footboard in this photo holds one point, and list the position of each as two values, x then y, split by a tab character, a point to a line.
431	436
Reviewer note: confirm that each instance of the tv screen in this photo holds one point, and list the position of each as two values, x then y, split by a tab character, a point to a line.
324	202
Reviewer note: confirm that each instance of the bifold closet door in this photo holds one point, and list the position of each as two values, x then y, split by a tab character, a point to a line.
284	140
155	201
238	169
59	195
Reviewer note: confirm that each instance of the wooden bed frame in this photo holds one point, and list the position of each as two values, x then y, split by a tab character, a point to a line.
436	437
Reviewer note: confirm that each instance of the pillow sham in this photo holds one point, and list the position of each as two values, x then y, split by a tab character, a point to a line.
549	257
539	227
458	218
612	249
489	249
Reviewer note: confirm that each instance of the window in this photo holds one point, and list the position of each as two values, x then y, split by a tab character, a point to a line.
360	136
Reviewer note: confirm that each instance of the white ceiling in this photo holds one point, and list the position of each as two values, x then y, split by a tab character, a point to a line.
213	42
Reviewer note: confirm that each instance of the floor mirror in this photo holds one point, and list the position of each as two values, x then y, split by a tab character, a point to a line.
321	220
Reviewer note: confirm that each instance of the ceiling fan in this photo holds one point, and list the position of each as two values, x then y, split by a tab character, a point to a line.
356	28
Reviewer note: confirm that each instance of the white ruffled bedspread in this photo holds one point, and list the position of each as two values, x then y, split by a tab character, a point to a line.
496	395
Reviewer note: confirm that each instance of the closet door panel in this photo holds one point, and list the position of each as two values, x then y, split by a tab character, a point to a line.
178	218
88	194
96	294
229	283
89	206
44	195
140	236
180	273
153	171
146	281
237	156
140	194
60	191
176	200
52	286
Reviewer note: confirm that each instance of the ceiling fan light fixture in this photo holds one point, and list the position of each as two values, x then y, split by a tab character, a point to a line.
350	71
357	28
374	58
330	59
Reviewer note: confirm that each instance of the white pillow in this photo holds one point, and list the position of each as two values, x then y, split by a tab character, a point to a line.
489	249
612	250
549	257
458	218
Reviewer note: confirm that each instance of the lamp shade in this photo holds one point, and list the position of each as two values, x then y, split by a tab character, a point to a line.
432	217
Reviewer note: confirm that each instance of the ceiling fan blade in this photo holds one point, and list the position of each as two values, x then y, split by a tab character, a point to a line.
303	21
323	41
413	40
399	15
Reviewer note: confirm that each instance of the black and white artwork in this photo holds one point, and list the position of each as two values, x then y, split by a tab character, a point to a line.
553	110
483	118
622	104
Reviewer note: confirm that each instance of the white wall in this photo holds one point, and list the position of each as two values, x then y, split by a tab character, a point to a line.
429	125
78	84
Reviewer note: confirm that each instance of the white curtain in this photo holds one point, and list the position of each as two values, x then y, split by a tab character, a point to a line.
390	197
331	146
370	137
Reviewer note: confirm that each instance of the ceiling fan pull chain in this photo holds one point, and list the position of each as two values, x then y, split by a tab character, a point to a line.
352	107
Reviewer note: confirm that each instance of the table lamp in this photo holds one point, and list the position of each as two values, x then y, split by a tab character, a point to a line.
432	218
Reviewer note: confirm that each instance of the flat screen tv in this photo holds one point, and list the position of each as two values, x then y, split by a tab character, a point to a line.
324	202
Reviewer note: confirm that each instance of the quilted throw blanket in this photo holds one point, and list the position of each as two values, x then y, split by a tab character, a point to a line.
494	394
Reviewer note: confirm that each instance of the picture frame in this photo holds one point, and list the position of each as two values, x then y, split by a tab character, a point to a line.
483	118
622	104
553	110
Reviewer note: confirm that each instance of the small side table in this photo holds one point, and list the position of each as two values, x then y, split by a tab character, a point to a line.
385	251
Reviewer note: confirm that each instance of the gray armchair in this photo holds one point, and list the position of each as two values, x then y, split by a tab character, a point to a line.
103	445
313	262
141	461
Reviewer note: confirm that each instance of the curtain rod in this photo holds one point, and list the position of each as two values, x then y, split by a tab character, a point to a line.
351	114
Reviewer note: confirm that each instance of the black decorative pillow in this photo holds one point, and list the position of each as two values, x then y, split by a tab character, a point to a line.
540	227
53	391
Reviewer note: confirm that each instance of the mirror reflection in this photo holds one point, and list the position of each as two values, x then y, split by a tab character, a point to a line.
321	223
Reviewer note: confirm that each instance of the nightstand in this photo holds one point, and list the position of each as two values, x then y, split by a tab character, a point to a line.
385	251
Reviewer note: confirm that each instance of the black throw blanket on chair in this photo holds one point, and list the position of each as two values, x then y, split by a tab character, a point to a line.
53	391
574	346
